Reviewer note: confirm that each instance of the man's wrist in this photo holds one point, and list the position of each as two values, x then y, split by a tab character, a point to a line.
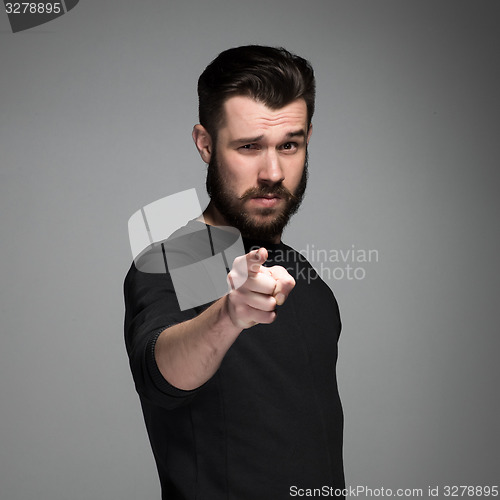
224	320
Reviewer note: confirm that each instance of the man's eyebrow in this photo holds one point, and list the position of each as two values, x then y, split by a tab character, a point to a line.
250	140
297	133
246	140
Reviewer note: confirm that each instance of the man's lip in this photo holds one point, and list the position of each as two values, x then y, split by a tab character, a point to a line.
266	201
268	197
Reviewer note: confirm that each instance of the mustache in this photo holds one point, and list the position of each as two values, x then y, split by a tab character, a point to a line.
277	190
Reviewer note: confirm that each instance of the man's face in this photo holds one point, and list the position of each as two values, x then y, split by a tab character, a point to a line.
258	168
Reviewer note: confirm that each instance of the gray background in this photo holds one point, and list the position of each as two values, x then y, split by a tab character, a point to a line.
96	113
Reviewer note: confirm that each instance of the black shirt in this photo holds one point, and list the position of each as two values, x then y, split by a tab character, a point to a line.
269	419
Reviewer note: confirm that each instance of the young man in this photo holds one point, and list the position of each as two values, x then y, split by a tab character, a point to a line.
240	395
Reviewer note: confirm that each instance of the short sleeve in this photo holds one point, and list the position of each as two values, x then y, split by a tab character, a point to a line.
150	307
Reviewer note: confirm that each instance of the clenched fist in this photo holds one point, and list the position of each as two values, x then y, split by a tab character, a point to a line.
256	299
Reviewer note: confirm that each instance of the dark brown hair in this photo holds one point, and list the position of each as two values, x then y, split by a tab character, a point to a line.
270	75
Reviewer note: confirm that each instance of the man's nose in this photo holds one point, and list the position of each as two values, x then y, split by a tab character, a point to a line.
271	171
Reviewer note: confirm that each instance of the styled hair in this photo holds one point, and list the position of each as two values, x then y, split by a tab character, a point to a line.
270	75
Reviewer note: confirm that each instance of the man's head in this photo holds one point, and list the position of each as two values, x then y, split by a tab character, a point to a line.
269	75
256	105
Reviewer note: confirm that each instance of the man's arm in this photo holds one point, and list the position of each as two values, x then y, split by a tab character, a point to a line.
189	353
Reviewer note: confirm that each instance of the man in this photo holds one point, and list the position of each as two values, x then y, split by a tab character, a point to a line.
239	395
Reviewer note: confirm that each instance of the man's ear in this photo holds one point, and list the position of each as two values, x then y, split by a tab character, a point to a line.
203	142
309	132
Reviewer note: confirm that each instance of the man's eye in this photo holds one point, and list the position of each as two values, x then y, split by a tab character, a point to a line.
248	146
289	146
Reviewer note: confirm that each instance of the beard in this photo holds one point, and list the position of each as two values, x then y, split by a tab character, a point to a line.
232	207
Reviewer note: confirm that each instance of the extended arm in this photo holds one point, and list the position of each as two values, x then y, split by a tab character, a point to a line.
189	353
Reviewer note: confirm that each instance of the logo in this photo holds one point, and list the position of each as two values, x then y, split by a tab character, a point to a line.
167	237
25	15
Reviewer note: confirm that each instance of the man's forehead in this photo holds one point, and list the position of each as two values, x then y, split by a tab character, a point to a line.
243	113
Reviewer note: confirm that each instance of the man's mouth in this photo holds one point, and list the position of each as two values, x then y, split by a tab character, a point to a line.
266	200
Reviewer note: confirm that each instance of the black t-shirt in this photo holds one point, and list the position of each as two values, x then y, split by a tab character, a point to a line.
270	419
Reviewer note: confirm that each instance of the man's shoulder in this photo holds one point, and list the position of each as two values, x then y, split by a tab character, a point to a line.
305	273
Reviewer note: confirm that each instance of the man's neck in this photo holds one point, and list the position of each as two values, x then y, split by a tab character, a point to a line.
212	216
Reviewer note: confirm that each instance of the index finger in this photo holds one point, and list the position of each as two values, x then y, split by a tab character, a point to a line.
255	259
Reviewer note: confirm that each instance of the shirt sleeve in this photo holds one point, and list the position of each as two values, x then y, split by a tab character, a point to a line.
150	307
